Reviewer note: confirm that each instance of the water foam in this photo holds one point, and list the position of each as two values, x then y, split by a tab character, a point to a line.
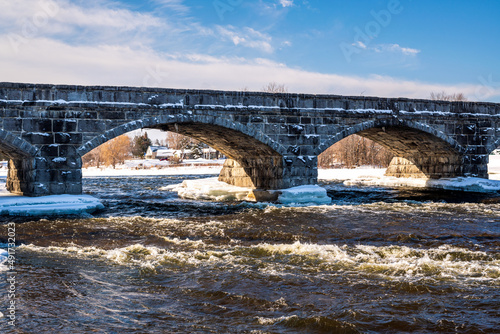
4	255
390	262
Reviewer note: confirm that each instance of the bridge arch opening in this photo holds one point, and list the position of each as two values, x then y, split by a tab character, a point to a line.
250	162
418	151
20	157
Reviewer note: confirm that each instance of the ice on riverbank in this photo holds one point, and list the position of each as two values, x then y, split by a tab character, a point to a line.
210	189
375	177
55	205
312	194
466	184
214	190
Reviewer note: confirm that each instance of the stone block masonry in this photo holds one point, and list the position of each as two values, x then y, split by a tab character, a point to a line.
272	140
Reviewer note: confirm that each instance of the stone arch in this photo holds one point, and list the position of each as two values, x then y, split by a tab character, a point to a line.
420	150
490	148
384	123
15	147
158	121
255	160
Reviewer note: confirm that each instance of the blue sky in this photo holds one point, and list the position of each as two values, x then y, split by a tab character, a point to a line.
387	48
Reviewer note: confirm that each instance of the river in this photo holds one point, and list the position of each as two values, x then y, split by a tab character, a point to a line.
377	260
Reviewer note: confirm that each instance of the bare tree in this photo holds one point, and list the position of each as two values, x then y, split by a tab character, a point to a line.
448	97
93	158
274	87
110	153
117	150
355	151
177	141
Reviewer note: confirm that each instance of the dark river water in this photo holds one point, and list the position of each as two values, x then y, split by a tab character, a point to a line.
375	261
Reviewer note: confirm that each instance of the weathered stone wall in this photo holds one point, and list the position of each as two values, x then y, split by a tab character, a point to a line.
272	139
255	172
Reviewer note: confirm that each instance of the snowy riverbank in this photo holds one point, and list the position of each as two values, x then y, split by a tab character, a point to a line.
156	167
375	177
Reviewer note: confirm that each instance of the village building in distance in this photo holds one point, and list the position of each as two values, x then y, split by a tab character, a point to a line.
165	153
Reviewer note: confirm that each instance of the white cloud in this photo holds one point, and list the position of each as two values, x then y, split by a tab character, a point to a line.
176	5
96	23
360	45
286	3
101	22
54	16
246	37
387	48
398	49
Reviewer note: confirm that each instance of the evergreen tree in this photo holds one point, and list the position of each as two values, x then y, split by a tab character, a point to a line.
140	145
196	149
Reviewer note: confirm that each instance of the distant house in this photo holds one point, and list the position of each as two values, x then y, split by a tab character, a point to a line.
184	154
162	152
152	151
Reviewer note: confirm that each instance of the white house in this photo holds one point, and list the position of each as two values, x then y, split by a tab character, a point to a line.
152	151
162	152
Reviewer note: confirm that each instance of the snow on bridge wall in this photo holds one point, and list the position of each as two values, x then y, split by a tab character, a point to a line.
273	140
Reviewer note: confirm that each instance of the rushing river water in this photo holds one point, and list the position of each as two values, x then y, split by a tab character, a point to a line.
375	261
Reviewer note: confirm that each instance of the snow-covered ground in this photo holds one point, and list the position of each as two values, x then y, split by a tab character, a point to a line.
365	176
494	167
156	167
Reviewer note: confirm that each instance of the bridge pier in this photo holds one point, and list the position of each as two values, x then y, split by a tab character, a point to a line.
256	173
438	167
42	176
19	176
270	173
425	168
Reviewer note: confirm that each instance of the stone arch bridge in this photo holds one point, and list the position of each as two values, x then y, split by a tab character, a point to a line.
272	140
